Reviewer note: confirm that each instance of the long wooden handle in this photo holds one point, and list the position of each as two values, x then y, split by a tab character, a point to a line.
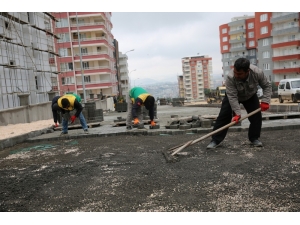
212	133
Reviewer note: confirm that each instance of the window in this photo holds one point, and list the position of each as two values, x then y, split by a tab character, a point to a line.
293	64
66	66
224	39
65	37
250	25
98	49
84	51
266	54
224	30
253	61
292	37
251	43
87	79
226	63
62	23
226	55
264	30
225	47
266	66
252	52
251	34
287	86
67	80
265	42
63	52
263	17
85	65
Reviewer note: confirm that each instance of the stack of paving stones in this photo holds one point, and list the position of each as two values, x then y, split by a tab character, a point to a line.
192	122
121	107
93	115
177	102
163	101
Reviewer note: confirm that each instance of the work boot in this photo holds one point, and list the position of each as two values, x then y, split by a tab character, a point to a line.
86	131
63	134
257	143
212	144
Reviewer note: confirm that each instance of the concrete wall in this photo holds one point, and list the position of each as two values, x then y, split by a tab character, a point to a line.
26	114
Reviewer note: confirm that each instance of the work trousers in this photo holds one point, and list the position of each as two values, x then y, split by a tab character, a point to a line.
226	114
65	123
129	113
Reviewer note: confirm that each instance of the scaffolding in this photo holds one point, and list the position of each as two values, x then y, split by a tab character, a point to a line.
27	58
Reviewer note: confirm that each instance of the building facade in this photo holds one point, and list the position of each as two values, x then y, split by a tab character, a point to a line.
269	40
124	77
28	73
197	72
86	48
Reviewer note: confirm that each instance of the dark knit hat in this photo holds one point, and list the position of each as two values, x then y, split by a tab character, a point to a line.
149	102
65	103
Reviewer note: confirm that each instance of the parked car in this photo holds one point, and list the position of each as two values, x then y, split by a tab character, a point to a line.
288	88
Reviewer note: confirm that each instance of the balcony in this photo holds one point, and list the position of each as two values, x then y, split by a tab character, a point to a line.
124	70
92	56
286	57
231	32
238	49
86	24
285	30
295	42
280	70
232	41
90	70
85	14
285	17
124	77
88	27
236	23
90	41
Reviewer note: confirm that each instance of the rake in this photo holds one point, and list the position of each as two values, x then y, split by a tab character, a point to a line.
170	153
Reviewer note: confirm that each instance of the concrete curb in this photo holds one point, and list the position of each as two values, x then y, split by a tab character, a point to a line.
21	138
161	132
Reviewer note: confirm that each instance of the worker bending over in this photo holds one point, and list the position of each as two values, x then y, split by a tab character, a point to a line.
64	105
137	98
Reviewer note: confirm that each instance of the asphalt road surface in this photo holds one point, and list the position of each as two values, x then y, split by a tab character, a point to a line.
130	174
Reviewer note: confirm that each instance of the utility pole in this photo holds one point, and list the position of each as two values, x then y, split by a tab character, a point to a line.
82	75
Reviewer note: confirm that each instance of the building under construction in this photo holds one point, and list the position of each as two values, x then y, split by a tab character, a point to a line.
28	73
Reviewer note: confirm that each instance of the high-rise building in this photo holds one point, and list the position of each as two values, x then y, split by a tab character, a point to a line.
197	72
269	40
86	49
124	78
28	72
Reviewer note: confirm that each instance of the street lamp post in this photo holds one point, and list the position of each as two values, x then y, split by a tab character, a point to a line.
129	51
81	65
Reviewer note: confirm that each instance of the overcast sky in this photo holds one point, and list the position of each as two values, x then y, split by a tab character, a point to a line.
161	39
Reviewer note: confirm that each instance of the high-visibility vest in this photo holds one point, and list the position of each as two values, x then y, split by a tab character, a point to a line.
71	99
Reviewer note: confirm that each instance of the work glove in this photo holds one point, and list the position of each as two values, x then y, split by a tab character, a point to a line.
236	118
55	125
153	123
73	119
136	121
264	106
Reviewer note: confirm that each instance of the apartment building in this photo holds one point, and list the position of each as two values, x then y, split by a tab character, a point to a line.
197	72
269	40
86	49
286	41
28	71
180	86
124	77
